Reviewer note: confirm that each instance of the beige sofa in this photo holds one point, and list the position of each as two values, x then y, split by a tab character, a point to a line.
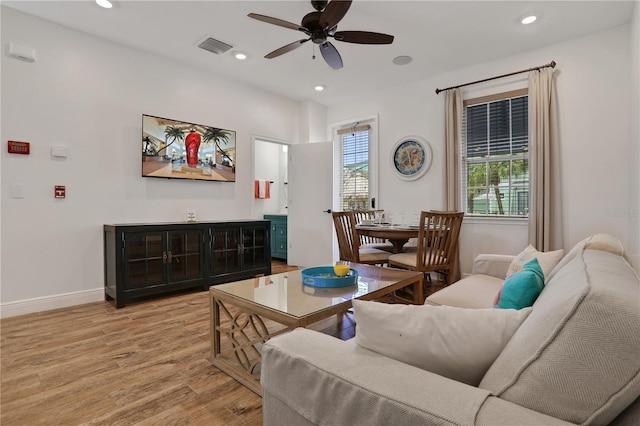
574	360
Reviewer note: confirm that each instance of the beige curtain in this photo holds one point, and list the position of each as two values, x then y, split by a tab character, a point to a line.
453	133
545	232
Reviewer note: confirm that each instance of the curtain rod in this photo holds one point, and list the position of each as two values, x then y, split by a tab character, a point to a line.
551	64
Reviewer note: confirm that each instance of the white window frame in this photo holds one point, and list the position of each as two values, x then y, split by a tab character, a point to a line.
372	121
480	217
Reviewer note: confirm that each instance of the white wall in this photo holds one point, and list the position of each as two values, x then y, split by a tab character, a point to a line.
634	142
593	79
89	95
313	122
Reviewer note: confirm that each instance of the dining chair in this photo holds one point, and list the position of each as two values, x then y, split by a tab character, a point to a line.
349	242
367	241
437	245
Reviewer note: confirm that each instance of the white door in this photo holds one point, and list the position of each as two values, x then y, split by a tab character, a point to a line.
310	232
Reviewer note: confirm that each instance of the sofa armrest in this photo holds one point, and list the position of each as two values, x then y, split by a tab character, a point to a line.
495	265
311	378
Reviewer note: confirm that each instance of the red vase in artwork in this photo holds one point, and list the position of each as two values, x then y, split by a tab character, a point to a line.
192	143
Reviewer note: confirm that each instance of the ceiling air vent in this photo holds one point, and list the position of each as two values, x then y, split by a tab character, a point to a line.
215	46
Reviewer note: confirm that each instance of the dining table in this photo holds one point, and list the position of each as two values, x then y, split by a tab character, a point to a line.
398	235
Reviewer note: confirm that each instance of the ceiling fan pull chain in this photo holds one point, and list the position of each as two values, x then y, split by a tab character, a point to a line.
313	56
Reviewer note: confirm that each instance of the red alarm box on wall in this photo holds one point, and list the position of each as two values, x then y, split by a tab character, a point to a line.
15	147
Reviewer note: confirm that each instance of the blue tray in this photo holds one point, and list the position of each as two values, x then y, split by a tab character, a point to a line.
323	276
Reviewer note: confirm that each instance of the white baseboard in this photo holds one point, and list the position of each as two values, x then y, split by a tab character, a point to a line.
46	303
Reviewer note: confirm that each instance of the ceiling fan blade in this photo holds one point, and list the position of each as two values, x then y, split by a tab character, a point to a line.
288	48
276	21
363	37
334	12
331	55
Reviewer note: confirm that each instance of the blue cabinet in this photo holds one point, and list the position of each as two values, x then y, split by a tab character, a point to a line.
278	235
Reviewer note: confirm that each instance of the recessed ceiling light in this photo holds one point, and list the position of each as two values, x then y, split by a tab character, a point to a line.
319	88
104	3
529	19
241	56
402	60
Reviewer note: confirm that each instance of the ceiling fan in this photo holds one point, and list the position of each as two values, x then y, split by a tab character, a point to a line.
319	26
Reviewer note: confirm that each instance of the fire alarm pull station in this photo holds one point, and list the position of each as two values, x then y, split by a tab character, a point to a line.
60	191
15	147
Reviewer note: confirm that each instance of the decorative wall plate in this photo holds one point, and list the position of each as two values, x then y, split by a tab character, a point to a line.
411	157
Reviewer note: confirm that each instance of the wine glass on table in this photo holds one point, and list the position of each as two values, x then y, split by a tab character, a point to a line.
378	216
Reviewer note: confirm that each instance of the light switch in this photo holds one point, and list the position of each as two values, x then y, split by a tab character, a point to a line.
17	190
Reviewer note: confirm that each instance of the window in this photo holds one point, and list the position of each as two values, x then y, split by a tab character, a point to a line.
355	158
495	155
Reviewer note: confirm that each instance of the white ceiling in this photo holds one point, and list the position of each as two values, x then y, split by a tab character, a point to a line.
441	36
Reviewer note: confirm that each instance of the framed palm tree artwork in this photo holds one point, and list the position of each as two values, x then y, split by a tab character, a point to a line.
182	150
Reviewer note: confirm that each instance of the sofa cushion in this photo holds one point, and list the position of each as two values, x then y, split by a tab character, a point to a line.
548	260
483	288
495	265
457	343
320	380
576	356
603	242
521	289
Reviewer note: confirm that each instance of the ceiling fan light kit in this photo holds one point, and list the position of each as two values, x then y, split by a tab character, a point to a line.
319	26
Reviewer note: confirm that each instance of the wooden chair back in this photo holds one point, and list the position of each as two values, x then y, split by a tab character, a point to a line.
367	214
438	241
348	241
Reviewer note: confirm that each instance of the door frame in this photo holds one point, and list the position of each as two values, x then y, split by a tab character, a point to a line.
254	138
373	159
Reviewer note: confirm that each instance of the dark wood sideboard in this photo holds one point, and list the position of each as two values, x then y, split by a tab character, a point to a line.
157	258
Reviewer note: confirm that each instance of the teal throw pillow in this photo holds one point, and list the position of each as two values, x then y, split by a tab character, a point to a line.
521	289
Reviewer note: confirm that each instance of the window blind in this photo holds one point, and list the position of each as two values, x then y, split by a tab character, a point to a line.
495	175
355	169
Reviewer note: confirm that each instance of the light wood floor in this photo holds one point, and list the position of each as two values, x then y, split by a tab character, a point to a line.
145	364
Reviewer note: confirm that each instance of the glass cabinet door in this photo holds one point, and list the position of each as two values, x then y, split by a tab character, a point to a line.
225	248
184	257
254	240
144	258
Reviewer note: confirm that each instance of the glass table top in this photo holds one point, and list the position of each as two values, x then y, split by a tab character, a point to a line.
286	293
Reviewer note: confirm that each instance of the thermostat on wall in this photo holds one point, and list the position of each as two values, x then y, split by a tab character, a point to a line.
24	53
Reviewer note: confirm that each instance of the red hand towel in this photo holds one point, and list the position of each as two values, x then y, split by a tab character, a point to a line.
262	189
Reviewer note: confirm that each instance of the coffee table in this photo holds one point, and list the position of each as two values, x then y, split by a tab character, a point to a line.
245	314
